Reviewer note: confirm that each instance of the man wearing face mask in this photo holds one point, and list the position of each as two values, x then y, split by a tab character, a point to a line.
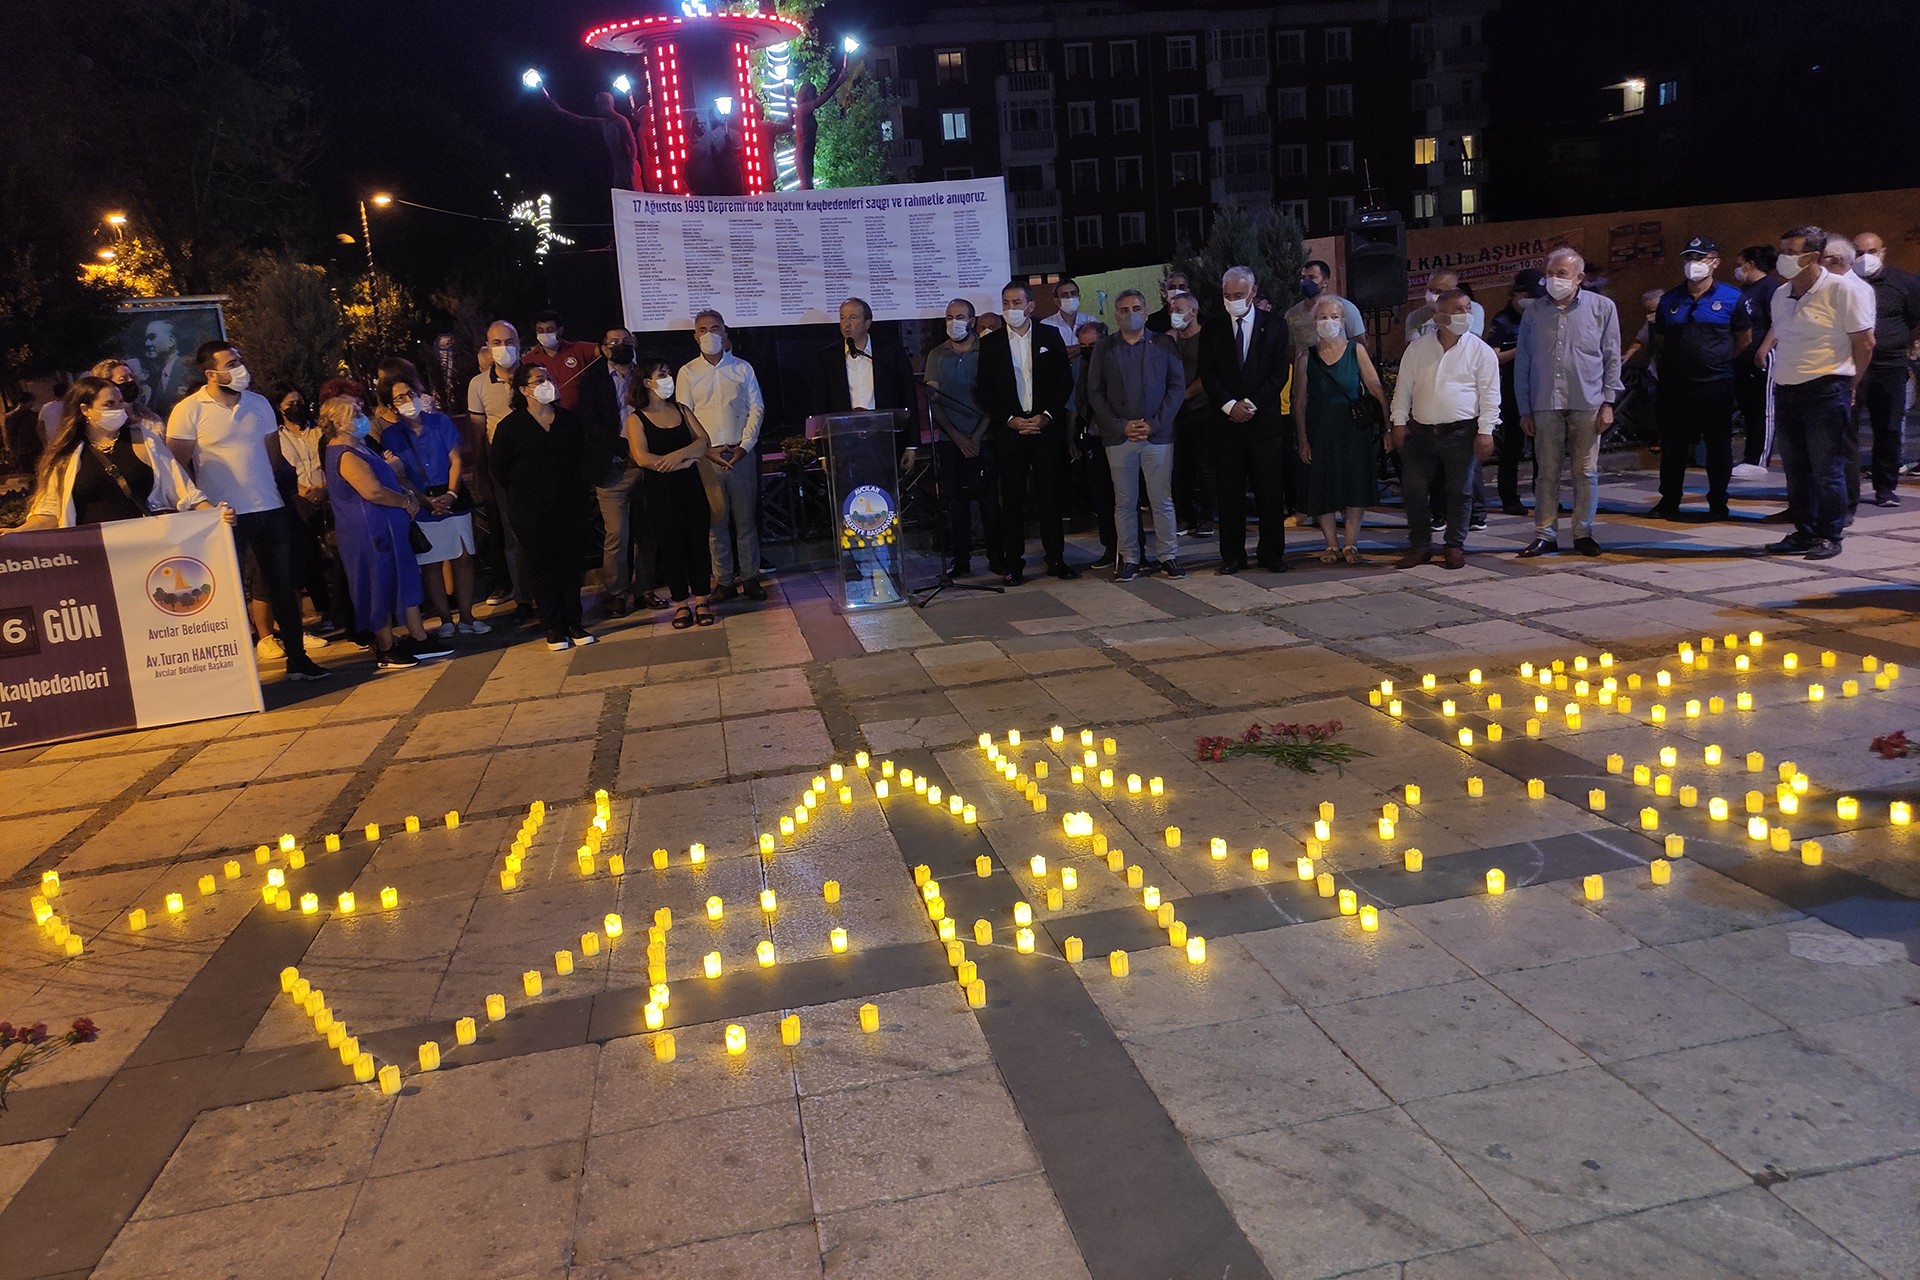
1314	277
489	401
604	389
1134	389
1566	380
1838	258
226	437
1503	335
1693	346
1025	382
1420	322
724	394
1752	318
1067	316
564	361
1193	479
960	449
1161	321
1896	340
1245	360
1446	404
1087	456
1821	344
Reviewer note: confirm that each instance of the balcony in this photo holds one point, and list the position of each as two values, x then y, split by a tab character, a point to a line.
1028	82
904	90
1231	75
904	153
1040	260
1255	131
1242	190
1035	202
1028	146
1464	59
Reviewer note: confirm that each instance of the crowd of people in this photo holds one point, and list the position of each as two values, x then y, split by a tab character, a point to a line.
401	507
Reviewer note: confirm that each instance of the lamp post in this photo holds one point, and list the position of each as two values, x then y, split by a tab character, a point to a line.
380	200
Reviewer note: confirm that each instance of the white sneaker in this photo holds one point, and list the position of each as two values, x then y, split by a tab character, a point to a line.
1749	471
446	631
478	627
270	649
311	642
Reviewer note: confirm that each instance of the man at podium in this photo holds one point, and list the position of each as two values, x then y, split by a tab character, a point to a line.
857	373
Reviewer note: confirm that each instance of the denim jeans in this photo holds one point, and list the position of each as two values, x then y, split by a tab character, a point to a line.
1813	426
1446	451
1574	435
1126	462
614	493
270	535
734	497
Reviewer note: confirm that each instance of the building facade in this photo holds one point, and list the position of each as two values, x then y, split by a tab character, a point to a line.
1121	131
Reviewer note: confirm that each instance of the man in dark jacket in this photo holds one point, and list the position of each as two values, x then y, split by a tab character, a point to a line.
1024	383
857	373
1135	384
1244	361
603	390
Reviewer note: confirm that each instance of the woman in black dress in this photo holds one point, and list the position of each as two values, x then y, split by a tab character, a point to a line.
537	461
665	440
103	464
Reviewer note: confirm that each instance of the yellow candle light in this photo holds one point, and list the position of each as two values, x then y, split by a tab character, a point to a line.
1349	902
969	815
1689	797
1536	789
1196	950
837	938
1135	876
869	1018
496	1007
1323	883
946	927
1023	941
1756	828
1661	870
1662	785
1649	819
982	932
1594	887
372	831
880	789
1069	878
1413	860
1386	828
1369	918
1173	837
1476	787
175	904
1495	702
1779	839
1496	881
1657	713
1816	692
1846	808
1717	809
1466	735
137	920
763	952
530	982
710	964
589	944
1260	859
1811	853
1156	786
1533	728
430	1056
1829	658
1900	813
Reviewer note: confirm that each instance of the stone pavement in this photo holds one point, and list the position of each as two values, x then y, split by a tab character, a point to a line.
1712	1077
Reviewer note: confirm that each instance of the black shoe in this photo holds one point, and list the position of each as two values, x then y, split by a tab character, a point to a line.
1540	547
1230	567
580	635
524	616
1586	546
1128	572
1513	508
1664	511
960	568
558	642
1171	568
428	649
755	590
394	659
1794	544
1203	529
1062	570
1015	578
1719	511
1477	522
1108	558
654	600
1886	500
723	594
616	607
302	669
1778	517
1823	549
1273	565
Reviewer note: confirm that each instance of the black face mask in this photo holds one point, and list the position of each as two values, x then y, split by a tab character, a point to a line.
621	354
129	389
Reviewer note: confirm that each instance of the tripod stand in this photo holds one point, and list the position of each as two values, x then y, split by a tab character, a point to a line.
943	548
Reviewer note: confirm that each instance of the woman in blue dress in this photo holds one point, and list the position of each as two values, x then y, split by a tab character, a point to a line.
371	512
1328	378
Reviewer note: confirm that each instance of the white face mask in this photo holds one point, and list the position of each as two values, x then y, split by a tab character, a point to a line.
1070	304
1867	264
1521	304
1696	269
409	409
1432	297
505	354
545	392
711	344
238	379
1791	264
958	329
111	419
1560	289
1329	328
1179	320
662	387
1016	316
1237	307
1461	323
551	341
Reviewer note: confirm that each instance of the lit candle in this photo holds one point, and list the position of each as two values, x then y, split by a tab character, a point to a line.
1304	868
1156	786
1829	658
1196	950
1150	897
710	964
1496	881
1413	860
1324	884
1533	728
982	932
1495	702
1717	809
1069	878
1661	869
1135	876
1689	797
869	1018
1386	828
589	944
1349	902
1900	813
714	908
1657	713
1260	860
1811	852
333	844
763	952
1756	828
1173	837
837	938
1023	941
1476	787
664	1049
1536	789
1369	919
530	982
1662	785
1466	735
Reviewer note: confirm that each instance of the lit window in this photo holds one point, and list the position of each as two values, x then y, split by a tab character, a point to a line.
1425	150
1426	204
1469	202
950	66
953	126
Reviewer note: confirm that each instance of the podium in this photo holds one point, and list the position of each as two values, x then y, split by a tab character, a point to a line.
863	473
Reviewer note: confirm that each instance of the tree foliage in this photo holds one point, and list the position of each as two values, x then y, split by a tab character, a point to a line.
848	151
286	317
1265	240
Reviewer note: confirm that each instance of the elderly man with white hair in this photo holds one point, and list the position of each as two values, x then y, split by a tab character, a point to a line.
1838	258
1566	379
1244	364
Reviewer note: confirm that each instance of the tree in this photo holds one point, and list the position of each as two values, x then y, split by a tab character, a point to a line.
1266	241
849	151
286	317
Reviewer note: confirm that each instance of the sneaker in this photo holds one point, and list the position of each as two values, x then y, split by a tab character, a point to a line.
524	616
429	649
270	649
1127	573
1749	471
498	598
1887	500
478	627
394	659
557	642
1108	558
1171	568
302	668
1823	549
447	630
580	635
1477	521
755	590
1913	469
311	642
1794	544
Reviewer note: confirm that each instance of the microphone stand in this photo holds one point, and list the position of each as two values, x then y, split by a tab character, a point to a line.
944	579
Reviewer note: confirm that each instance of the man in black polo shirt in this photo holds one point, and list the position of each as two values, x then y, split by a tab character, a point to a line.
1752	318
1503	335
1693	346
1896	328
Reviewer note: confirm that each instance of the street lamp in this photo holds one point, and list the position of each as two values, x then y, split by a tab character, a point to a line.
118	222
850	45
380	200
623	84
530	78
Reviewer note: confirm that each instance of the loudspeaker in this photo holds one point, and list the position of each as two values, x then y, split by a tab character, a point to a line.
1377	260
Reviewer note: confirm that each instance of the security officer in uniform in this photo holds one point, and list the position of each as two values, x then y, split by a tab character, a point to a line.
1693	345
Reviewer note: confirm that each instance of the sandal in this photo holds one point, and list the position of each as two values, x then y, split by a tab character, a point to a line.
703	614
1329	556
1352	555
682	618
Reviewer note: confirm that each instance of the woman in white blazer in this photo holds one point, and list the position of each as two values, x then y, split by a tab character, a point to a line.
101	466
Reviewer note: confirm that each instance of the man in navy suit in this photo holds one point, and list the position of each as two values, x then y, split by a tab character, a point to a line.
857	373
1024	383
1244	361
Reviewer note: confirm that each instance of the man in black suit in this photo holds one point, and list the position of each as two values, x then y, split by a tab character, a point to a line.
604	389
1024	383
857	373
1244	359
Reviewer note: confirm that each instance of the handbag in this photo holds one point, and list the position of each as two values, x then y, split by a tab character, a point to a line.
417	538
1366	415
113	473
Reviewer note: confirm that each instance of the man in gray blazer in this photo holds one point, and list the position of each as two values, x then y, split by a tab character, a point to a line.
1135	385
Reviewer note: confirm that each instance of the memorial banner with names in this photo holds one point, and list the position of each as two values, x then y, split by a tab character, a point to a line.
792	257
120	626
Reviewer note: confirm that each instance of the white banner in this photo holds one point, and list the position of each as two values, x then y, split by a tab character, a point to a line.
792	257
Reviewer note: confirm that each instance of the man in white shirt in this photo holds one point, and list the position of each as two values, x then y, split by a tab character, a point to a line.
1445	407
1821	341
489	399
1421	321
1067	316
724	394
225	436
1838	258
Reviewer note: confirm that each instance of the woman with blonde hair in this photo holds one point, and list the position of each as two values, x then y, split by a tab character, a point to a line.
102	466
1330	378
121	375
372	518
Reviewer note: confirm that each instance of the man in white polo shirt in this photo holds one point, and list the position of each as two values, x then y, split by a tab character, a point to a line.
221	434
1445	407
1821	341
724	394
